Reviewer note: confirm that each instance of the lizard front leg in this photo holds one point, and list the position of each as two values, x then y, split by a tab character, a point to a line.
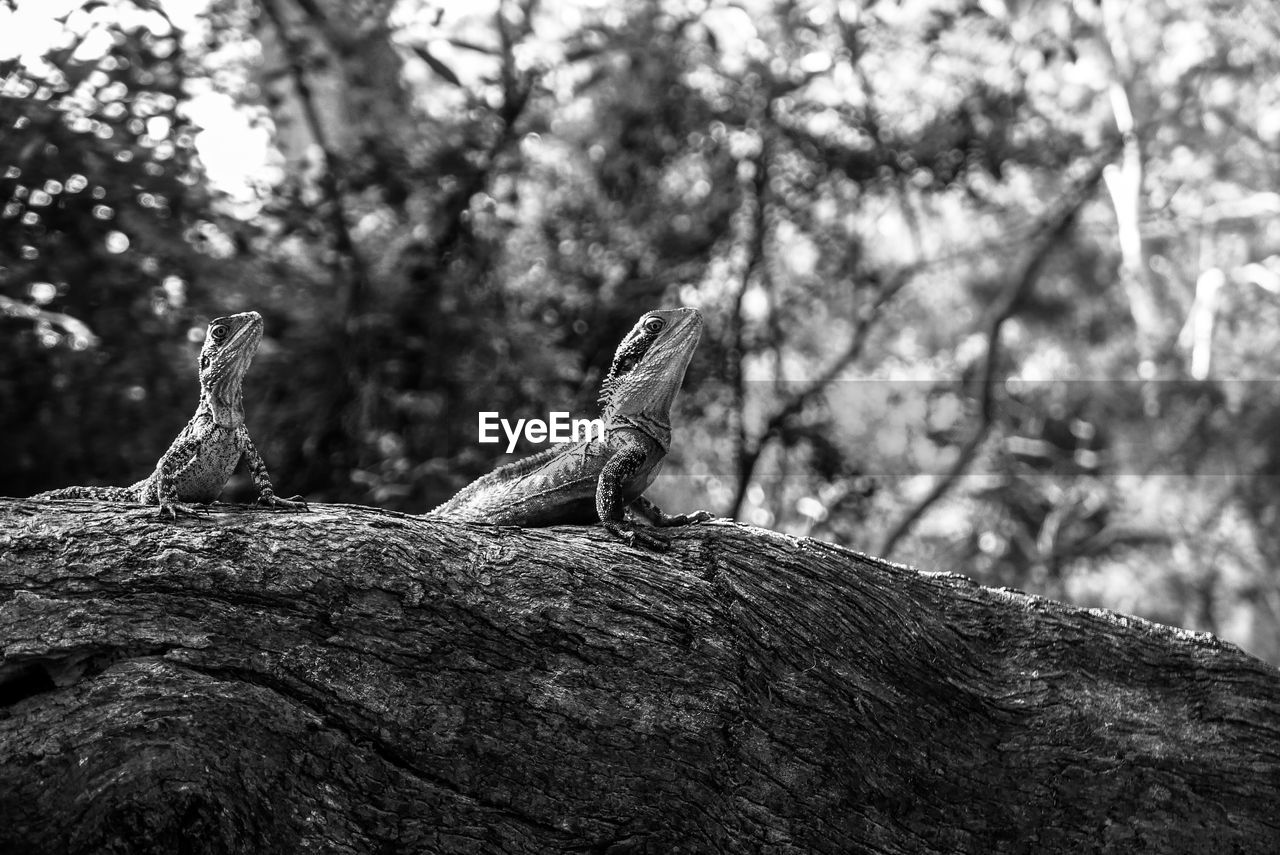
258	469
655	515
184	454
609	500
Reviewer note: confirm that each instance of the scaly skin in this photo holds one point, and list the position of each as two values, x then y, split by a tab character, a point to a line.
203	456
599	480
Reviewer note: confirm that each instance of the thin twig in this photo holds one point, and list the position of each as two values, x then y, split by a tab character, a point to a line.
755	261
749	456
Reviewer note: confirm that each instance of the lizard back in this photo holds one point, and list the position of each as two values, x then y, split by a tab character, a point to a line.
520	492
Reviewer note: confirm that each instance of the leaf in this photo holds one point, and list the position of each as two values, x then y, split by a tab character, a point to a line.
436	65
463	44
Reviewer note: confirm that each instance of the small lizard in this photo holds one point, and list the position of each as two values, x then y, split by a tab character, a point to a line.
203	456
599	479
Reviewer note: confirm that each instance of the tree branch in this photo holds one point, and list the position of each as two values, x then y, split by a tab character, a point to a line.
357	276
749	458
755	262
354	680
1007	304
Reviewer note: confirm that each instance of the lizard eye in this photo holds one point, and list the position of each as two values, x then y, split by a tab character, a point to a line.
218	333
654	325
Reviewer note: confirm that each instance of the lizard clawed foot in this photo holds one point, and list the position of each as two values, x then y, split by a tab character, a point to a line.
173	510
685	519
270	499
637	536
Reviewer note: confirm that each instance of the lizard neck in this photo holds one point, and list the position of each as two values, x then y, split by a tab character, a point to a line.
226	410
228	349
657	428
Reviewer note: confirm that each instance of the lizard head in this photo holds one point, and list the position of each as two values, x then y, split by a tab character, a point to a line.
229	346
649	367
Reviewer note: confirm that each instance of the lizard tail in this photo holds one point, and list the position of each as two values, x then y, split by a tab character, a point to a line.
109	494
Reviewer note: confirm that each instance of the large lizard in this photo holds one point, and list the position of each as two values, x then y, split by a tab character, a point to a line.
599	479
203	456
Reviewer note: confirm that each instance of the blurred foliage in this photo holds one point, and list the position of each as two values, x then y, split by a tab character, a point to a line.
99	185
933	329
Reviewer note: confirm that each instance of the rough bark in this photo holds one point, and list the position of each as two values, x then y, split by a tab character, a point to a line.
353	680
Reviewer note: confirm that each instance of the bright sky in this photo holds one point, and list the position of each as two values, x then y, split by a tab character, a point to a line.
231	151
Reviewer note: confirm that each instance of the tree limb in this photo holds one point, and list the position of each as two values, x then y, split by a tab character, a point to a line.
754	267
357	287
750	452
1015	291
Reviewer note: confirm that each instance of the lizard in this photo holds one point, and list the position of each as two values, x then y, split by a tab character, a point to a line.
203	456
599	479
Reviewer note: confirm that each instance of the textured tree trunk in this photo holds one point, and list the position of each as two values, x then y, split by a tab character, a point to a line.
353	680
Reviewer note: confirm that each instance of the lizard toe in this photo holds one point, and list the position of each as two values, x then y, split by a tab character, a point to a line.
686	519
297	503
637	536
173	510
